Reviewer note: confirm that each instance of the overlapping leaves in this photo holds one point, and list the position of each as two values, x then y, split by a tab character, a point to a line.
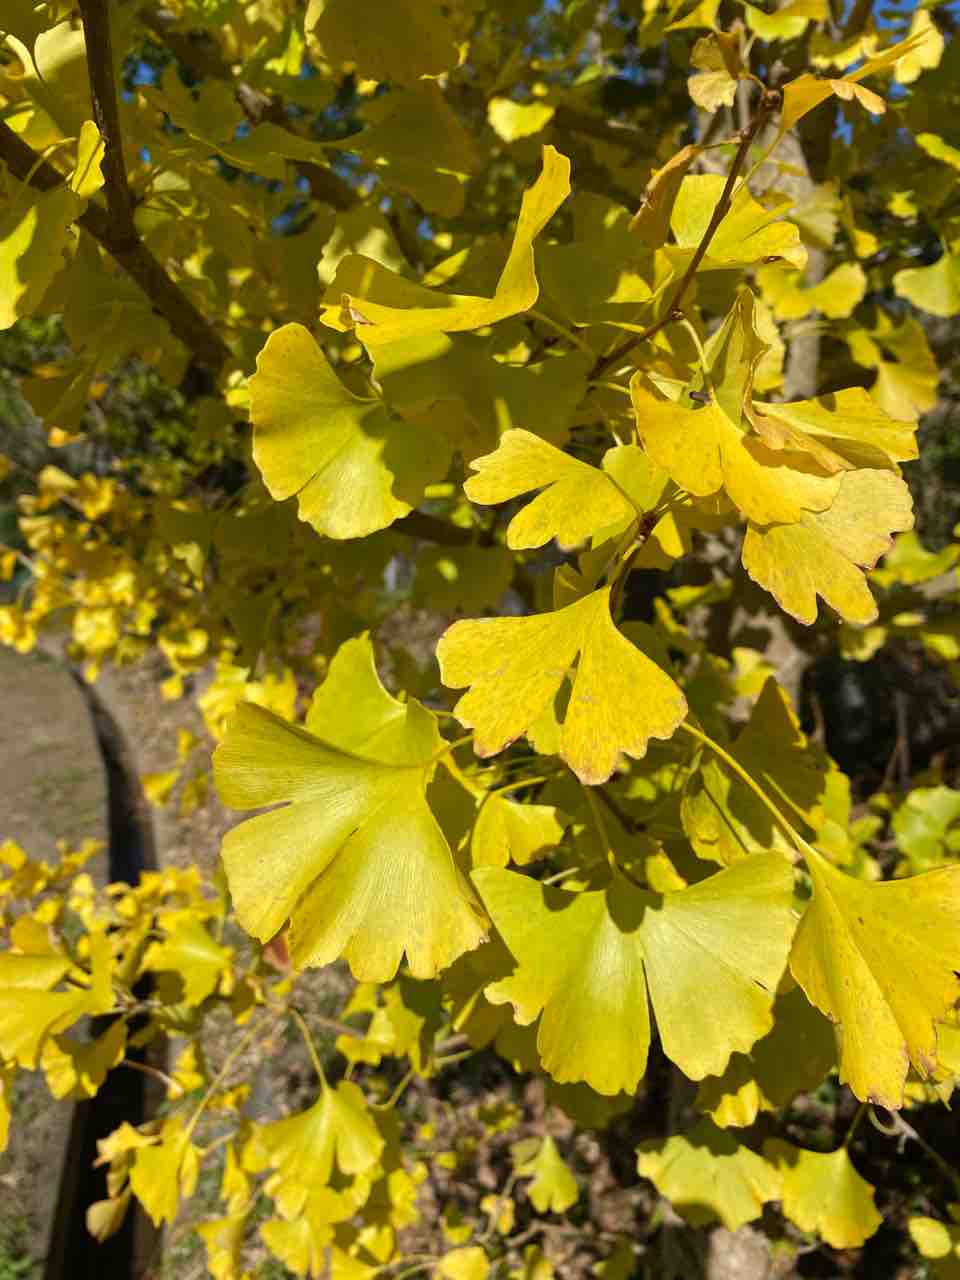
585	963
356	860
515	668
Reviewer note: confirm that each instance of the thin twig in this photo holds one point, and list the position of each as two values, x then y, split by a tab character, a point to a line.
769	103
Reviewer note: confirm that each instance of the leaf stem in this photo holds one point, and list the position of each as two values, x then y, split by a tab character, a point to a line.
308	1039
855	1124
562	329
904	1129
450	747
145	1069
521	783
732	763
221	1075
601	826
396	1095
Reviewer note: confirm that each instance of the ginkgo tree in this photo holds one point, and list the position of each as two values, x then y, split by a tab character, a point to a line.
490	313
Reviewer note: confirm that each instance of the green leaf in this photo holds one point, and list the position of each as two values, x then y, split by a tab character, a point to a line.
554	1188
386	308
793	1057
823	1194
882	960
515	667
586	960
604	272
706	1174
352	466
922	826
460	370
911	563
578	499
462	579
356	860
408	39
724	818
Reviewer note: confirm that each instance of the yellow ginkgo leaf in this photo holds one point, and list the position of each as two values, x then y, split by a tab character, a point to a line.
188	950
87	178
165	1171
76	1068
34	237
469	1263
822	1193
299	1244
748	234
926	54
707	1174
936	288
719	68
356	859
29	1013
807	91
842	431
508	831
554	1188
723	818
882	960
584	961
516	666
353	468
705	451
578	499
835	296
825	553
303	1148
383	307
224	1239
940	1242
512	120
651	222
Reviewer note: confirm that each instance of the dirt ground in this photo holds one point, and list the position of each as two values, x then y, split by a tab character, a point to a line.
52	787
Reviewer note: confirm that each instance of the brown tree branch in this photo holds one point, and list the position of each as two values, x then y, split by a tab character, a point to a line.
103	93
769	102
168	300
